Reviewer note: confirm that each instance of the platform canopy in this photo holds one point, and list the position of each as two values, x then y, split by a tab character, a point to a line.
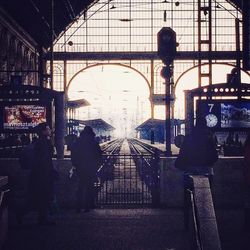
150	123
153	123
96	124
77	103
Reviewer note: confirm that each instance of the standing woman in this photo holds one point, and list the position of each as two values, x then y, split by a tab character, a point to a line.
86	156
42	174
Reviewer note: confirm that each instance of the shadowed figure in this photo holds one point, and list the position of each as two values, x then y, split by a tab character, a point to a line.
197	156
86	156
247	182
198	150
42	176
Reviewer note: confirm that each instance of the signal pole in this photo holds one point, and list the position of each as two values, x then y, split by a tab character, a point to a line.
166	39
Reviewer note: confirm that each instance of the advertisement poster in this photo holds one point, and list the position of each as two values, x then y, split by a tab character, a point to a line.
23	116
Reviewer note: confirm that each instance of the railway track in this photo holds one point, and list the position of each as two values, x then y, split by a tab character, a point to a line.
126	175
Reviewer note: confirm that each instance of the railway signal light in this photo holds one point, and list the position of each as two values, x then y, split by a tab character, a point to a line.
166	39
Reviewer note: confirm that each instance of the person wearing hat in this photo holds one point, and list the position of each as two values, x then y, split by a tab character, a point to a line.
86	156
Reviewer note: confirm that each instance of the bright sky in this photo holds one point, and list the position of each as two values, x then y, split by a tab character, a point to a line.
120	95
117	94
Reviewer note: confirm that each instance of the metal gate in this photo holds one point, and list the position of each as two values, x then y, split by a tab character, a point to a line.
128	180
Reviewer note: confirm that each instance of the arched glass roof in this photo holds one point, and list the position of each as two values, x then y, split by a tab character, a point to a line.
132	25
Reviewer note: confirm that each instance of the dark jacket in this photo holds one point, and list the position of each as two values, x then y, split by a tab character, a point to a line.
42	173
197	151
86	156
247	161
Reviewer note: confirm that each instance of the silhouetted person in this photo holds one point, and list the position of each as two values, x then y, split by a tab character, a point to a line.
70	140
86	156
42	175
247	181
198	151
197	156
233	78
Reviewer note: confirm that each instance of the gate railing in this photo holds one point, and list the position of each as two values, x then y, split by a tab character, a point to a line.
128	179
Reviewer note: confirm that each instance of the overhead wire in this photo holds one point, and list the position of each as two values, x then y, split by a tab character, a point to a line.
84	22
68	10
39	12
71	8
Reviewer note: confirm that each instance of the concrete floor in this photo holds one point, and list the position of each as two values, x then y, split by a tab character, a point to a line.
121	229
103	229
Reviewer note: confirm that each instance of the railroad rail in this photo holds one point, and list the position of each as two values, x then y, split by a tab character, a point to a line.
128	174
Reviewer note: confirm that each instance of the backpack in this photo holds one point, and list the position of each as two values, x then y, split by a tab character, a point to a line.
27	157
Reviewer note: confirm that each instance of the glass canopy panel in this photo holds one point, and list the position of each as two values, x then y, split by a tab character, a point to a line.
123	25
132	26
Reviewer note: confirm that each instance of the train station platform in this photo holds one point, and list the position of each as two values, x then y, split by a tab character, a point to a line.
120	229
137	228
161	146
103	229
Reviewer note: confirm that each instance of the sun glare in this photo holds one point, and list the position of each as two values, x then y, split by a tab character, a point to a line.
120	95
117	94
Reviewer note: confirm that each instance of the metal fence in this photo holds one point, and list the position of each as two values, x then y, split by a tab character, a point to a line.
128	180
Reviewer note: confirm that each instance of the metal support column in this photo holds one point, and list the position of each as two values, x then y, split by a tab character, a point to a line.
205	39
41	67
246	34
238	60
167	74
152	88
59	124
166	39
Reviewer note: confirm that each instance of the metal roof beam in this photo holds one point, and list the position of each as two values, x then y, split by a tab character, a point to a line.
184	55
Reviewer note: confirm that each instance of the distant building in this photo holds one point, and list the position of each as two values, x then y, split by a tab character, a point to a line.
100	127
156	128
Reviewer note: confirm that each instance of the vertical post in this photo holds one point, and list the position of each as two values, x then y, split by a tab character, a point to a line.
167	76
52	45
237	31
199	43
166	39
152	88
4	210
189	112
166	73
41	67
59	124
246	34
238	66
